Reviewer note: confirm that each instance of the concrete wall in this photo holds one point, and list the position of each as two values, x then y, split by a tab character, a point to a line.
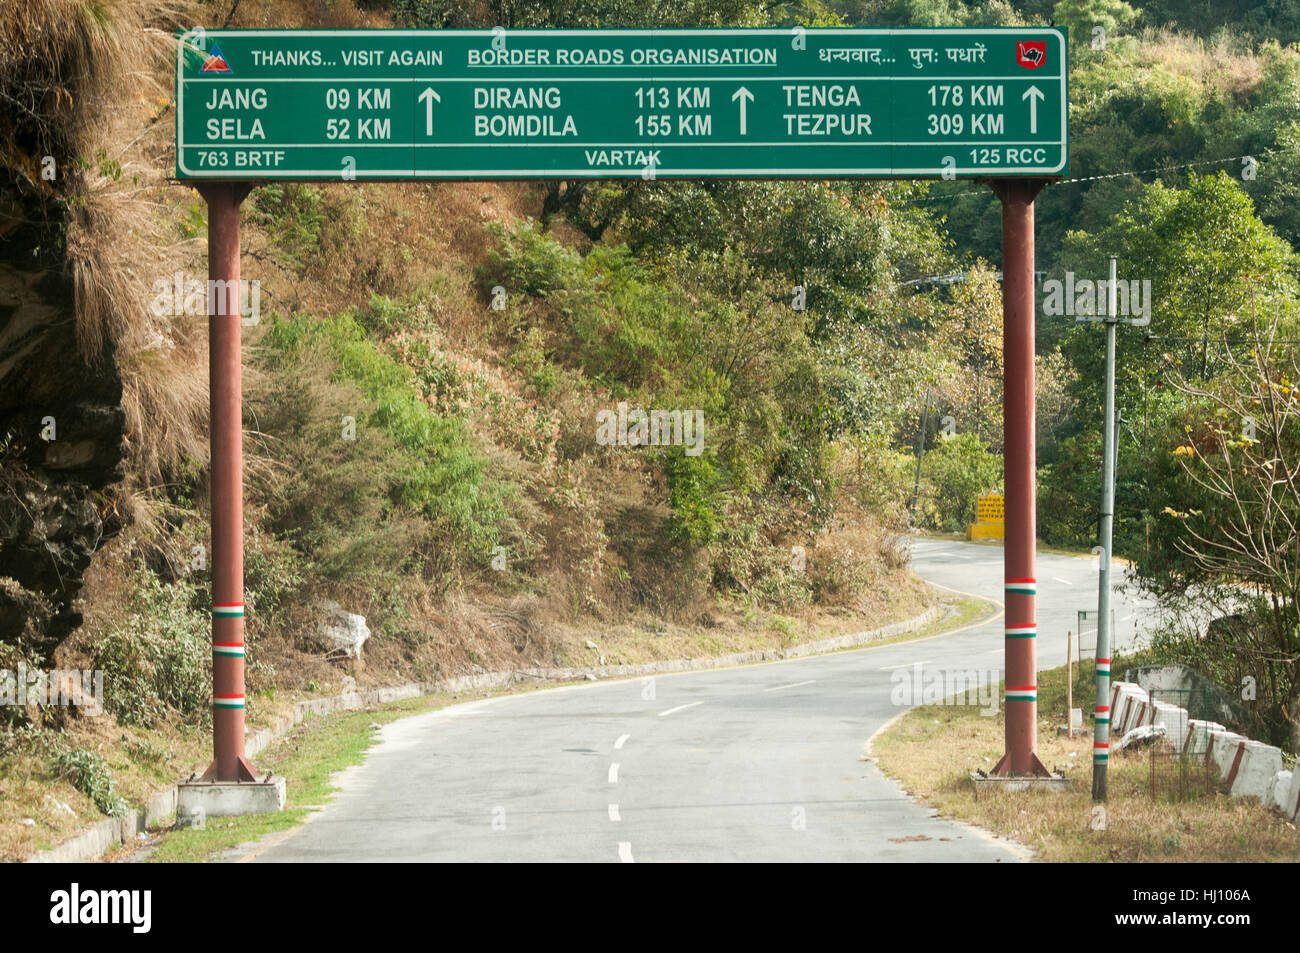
1248	768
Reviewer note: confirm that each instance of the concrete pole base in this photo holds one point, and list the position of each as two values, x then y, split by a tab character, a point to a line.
1062	731
198	800
1058	783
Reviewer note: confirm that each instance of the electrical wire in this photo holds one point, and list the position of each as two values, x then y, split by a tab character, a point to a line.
1097	178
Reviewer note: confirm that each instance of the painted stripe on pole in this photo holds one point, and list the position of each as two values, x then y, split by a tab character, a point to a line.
1026	587
1021	631
1236	764
227	701
227	610
1022	693
228	649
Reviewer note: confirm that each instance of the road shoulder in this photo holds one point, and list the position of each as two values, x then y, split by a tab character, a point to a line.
931	751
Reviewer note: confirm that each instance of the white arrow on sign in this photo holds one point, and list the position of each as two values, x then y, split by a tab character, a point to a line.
743	95
427	97
1033	94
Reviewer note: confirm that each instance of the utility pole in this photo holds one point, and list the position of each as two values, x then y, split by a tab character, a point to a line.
1101	731
916	485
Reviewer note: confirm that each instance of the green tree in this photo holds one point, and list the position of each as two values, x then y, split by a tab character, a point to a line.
1082	17
1204	252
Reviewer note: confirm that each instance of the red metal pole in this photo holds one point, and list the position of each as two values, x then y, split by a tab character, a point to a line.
227	486
1021	630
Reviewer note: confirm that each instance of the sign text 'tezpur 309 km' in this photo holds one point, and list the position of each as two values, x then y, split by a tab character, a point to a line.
403	104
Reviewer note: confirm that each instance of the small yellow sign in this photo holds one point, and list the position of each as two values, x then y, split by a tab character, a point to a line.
989	516
989	509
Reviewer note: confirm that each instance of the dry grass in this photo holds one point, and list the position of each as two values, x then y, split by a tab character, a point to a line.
1216	63
645	635
270	14
141	763
95	81
933	749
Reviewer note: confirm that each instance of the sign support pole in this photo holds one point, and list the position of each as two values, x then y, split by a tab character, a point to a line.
1017	197
227	485
920	456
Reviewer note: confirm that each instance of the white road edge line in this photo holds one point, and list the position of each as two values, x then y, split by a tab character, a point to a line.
671	711
1019	851
621	738
890	668
613	773
1066	581
625	852
777	688
613	813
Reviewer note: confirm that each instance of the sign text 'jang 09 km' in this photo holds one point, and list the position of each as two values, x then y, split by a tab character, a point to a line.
284	104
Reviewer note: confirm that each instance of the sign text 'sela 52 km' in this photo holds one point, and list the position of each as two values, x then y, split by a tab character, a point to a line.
442	104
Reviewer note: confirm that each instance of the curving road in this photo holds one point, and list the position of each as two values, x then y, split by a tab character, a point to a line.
757	763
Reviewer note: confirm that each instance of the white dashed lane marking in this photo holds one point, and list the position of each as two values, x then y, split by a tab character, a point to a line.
625	852
613	813
777	688
621	738
671	711
890	668
613	773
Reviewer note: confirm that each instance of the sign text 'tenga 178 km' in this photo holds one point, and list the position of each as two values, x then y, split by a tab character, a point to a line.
284	104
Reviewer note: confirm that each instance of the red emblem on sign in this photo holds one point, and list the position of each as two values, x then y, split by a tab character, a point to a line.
215	63
1031	54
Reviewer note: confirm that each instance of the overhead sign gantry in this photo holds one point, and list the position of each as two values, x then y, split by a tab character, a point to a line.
267	105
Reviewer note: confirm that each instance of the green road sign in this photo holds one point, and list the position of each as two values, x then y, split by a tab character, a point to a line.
444	104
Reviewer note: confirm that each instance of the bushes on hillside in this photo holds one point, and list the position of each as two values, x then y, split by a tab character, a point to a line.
157	659
398	460
86	771
706	333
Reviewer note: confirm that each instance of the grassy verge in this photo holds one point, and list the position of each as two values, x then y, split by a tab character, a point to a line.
933	749
734	627
306	758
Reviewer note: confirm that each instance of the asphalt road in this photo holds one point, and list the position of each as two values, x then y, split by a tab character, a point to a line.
756	763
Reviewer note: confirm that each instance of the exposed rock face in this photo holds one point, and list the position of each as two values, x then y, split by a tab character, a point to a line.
344	632
49	523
